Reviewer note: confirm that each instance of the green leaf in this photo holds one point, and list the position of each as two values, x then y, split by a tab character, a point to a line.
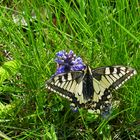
9	69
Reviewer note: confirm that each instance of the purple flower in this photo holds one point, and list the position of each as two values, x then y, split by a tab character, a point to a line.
68	62
60	70
60	53
77	67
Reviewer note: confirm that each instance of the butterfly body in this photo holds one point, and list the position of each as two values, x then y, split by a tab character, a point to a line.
90	89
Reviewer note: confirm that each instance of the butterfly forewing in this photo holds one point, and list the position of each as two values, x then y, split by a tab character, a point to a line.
113	77
68	85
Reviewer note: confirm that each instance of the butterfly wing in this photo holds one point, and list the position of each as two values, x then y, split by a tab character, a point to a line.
90	89
68	85
105	80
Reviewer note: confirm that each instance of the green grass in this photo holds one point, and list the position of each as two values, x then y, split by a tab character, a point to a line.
101	32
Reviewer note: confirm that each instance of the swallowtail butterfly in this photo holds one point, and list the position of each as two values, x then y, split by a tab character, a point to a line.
90	89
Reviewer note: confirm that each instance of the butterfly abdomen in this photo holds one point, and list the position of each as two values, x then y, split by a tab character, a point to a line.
88	89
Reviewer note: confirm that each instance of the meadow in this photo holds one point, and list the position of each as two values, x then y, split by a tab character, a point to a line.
102	33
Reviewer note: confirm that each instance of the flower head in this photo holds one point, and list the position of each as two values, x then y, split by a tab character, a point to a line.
68	62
